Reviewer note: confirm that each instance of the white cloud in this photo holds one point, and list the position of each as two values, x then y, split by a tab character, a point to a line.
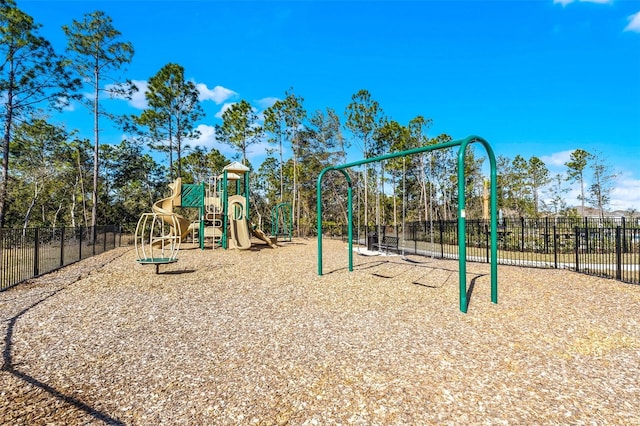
138	99
207	138
557	159
265	103
634	23
225	107
218	94
258	151
626	193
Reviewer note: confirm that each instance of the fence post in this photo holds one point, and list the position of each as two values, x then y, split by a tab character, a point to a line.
521	234
555	247
625	243
486	237
62	246
441	240
36	250
618	253
577	236
94	235
80	244
586	234
546	235
104	237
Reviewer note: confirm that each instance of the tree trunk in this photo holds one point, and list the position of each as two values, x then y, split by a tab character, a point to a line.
5	147
5	165
395	201
73	204
343	209
82	192
96	138
366	197
296	201
179	147
582	194
171	177
423	187
281	172
27	216
55	215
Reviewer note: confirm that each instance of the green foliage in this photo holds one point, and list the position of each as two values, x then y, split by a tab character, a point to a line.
239	128
131	181
31	75
95	50
50	166
538	178
575	170
557	193
199	165
173	110
41	166
363	118
599	192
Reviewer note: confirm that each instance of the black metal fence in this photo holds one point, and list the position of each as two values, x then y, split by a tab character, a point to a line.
28	253
608	248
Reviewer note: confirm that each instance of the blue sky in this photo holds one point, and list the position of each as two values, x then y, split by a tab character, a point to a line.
536	78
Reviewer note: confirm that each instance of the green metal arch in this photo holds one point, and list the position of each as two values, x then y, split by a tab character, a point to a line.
287	218
462	244
340	169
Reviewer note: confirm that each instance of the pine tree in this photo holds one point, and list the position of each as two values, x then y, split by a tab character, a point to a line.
95	49
31	74
172	113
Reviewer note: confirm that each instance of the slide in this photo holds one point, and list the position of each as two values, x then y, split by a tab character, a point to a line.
239	236
165	207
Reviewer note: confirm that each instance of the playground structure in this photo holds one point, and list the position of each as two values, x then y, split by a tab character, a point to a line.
222	218
157	239
462	144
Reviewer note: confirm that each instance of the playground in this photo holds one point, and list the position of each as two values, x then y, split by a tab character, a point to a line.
256	336
239	326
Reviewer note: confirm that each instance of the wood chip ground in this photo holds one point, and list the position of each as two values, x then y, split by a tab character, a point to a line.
257	337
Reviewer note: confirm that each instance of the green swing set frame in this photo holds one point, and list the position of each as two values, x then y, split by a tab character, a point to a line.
462	243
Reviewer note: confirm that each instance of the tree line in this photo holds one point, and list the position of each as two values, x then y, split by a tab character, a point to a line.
52	176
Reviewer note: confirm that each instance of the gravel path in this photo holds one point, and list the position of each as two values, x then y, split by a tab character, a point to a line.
256	337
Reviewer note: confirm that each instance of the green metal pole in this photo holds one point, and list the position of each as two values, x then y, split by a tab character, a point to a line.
246	196
462	235
494	223
350	220
461	207
274	218
201	225
349	216
319	219
289	211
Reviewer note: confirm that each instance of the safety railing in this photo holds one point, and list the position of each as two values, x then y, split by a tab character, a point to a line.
31	252
607	247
